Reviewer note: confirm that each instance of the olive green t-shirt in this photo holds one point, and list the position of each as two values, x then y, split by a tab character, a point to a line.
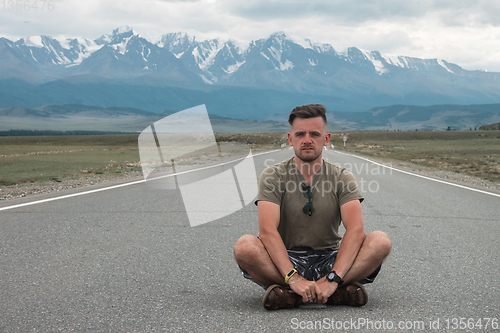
331	187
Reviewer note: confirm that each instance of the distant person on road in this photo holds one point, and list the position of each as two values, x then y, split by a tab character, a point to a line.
299	256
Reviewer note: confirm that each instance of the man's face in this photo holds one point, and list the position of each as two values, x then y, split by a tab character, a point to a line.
308	136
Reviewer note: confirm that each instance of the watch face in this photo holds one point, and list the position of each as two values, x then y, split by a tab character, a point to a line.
330	276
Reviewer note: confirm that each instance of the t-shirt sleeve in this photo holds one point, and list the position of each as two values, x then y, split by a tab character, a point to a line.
269	186
348	188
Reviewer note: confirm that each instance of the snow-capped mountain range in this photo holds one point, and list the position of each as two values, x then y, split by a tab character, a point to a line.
278	62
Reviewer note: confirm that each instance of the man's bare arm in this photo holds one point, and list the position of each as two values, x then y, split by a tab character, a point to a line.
352	218
269	218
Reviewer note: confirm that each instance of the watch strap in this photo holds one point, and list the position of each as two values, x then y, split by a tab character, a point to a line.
289	275
336	278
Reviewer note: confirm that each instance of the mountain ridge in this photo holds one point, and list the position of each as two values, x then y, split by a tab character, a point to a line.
354	80
72	51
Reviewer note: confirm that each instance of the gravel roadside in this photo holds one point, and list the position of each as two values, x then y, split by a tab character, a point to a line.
31	189
445	175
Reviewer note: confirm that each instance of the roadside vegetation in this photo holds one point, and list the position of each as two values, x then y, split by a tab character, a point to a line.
475	153
29	159
32	159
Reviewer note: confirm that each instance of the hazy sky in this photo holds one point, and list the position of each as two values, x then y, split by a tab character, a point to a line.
465	32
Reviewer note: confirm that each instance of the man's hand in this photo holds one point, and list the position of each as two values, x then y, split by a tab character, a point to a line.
309	290
327	289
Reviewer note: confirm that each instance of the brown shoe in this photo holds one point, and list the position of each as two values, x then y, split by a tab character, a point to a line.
277	297
353	294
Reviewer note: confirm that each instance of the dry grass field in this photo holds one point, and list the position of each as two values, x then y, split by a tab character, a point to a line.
54	158
30	159
35	159
475	153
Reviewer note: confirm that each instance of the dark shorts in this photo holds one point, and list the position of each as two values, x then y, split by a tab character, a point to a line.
313	265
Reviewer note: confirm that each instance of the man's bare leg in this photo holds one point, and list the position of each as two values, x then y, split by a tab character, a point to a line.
251	255
375	248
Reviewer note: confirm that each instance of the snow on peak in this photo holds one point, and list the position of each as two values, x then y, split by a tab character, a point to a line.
205	53
176	39
305	43
65	42
118	39
317	47
280	35
442	64
78	42
241	47
34	41
228	54
122	47
321	48
377	63
124	31
281	38
395	60
276	54
81	47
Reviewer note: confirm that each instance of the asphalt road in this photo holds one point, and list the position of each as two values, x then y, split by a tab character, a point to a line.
127	260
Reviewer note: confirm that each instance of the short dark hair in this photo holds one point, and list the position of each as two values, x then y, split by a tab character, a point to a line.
308	111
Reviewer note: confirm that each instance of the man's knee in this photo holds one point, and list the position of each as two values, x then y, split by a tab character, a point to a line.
379	243
246	249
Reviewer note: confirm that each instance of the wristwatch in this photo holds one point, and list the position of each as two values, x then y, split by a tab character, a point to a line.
333	277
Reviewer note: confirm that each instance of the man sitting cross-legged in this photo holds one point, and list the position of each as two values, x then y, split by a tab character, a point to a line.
299	256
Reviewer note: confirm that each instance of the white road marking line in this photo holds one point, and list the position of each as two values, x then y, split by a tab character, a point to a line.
121	185
417	175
